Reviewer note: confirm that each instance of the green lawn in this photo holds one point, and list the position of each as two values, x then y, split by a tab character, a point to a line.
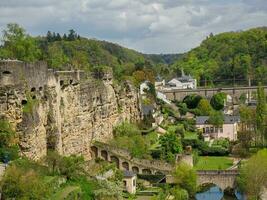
213	163
190	136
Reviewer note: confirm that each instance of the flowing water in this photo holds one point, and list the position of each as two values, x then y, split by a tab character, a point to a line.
214	193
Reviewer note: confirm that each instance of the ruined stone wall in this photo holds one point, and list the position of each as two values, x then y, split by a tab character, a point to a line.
64	110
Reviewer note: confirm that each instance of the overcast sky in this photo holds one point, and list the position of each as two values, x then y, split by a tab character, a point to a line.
150	26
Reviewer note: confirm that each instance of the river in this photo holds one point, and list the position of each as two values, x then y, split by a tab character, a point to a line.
214	193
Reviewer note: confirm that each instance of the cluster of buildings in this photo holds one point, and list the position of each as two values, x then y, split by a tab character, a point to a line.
179	83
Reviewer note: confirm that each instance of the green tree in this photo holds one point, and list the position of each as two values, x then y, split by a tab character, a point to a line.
8	142
72	167
216	118
72	35
126	129
253	175
261	115
185	177
18	45
218	100
170	146
204	107
53	161
192	101
22	184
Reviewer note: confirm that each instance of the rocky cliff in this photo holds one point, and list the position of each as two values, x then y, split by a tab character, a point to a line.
62	110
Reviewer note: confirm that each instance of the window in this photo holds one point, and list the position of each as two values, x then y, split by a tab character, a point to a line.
221	129
216	129
204	130
124	183
134	182
207	129
212	129
61	83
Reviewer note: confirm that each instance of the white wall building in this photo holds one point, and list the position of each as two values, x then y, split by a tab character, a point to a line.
129	181
228	130
183	82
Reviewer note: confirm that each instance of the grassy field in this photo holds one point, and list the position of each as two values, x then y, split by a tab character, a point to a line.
190	136
213	163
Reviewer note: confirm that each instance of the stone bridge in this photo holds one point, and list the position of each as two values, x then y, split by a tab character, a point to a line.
125	161
222	178
234	92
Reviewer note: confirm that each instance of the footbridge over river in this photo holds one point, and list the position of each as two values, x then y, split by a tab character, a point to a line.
234	92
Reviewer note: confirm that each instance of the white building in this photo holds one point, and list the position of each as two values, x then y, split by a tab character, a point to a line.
129	181
183	82
228	130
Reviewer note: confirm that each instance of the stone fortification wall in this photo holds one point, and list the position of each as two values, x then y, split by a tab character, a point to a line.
62	110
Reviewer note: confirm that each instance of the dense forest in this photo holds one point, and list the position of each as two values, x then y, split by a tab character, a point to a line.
225	59
70	50
228	58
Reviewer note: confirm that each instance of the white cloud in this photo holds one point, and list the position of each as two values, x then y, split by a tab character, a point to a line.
152	26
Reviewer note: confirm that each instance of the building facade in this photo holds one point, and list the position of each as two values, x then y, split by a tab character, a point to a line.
228	130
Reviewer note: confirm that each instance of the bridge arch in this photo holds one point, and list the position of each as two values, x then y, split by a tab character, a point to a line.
125	165
115	160
135	169
158	173
104	154
146	171
223	179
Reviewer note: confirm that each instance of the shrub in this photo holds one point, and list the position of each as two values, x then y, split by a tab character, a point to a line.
217	101
19	183
192	101
126	129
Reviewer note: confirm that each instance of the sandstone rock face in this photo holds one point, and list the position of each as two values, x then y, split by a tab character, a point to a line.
62	110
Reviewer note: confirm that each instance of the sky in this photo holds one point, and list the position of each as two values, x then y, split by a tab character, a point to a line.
149	26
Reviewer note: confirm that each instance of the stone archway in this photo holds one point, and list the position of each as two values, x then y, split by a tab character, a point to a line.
146	171
135	169
104	154
158	173
115	160
94	152
125	166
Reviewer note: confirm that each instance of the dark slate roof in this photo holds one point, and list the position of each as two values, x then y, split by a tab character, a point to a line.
185	78
228	119
128	174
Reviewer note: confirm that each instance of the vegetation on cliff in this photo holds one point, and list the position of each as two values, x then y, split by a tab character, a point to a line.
58	177
8	142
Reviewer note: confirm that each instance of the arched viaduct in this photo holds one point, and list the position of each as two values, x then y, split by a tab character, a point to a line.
234	92
125	161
